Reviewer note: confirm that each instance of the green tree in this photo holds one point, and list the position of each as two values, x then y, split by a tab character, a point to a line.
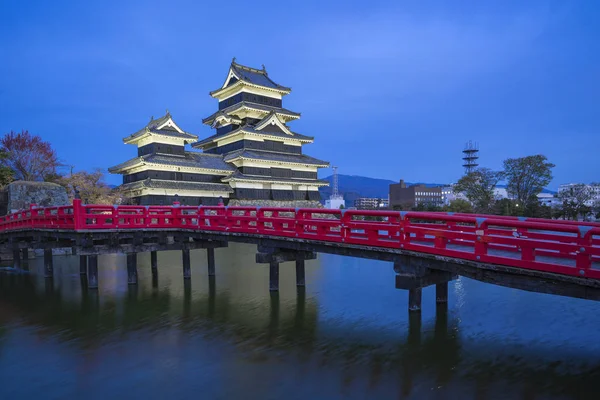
7	175
459	206
527	177
506	207
478	186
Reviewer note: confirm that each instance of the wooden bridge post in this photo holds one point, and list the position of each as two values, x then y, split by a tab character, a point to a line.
132	277
275	256
92	272
83	265
48	264
441	293
414	299
273	275
17	258
300	276
210	255
25	255
154	262
185	256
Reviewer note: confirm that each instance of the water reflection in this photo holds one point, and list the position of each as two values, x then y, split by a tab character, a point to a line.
230	337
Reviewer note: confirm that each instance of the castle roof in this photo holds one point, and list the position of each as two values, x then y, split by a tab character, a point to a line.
261	155
190	159
250	129
238	176
164	126
253	76
253	106
177	185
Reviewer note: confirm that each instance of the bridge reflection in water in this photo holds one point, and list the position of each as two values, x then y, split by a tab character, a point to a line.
228	336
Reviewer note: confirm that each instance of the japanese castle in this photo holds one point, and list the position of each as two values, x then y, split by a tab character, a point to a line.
253	158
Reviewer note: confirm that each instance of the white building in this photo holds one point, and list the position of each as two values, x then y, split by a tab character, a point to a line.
595	190
449	196
548	199
335	202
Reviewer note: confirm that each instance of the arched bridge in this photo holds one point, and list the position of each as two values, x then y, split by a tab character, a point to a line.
550	256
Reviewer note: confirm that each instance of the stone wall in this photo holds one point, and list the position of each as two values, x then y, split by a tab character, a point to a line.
276	203
21	194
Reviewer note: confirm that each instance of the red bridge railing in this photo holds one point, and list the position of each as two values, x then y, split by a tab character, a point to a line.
563	247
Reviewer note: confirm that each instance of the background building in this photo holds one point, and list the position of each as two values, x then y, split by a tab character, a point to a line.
593	189
369	203
336	200
402	196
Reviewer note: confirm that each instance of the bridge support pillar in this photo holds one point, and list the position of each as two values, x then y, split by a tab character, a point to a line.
92	272
414	299
273	257
24	256
414	274
132	275
210	257
83	261
185	257
154	262
300	278
273	276
48	264
17	258
441	293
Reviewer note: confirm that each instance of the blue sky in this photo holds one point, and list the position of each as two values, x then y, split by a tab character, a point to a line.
389	89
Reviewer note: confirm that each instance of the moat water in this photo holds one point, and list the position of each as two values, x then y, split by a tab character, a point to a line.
347	335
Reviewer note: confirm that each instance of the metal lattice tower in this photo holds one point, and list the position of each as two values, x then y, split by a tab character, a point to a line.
335	193
470	157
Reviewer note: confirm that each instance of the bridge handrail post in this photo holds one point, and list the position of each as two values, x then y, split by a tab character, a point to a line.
404	229
77	214
583	258
345	223
481	231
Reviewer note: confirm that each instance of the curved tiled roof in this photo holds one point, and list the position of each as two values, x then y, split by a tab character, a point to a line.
272	156
255	76
191	159
250	129
255	106
153	125
177	185
237	175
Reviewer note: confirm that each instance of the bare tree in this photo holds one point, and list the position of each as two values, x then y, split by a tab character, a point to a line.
28	156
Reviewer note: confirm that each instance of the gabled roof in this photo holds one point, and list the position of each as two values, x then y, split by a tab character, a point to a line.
272	123
221	116
238	176
164	126
276	157
213	162
239	74
177	185
251	130
253	106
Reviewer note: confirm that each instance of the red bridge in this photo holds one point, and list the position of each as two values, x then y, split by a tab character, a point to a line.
551	256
